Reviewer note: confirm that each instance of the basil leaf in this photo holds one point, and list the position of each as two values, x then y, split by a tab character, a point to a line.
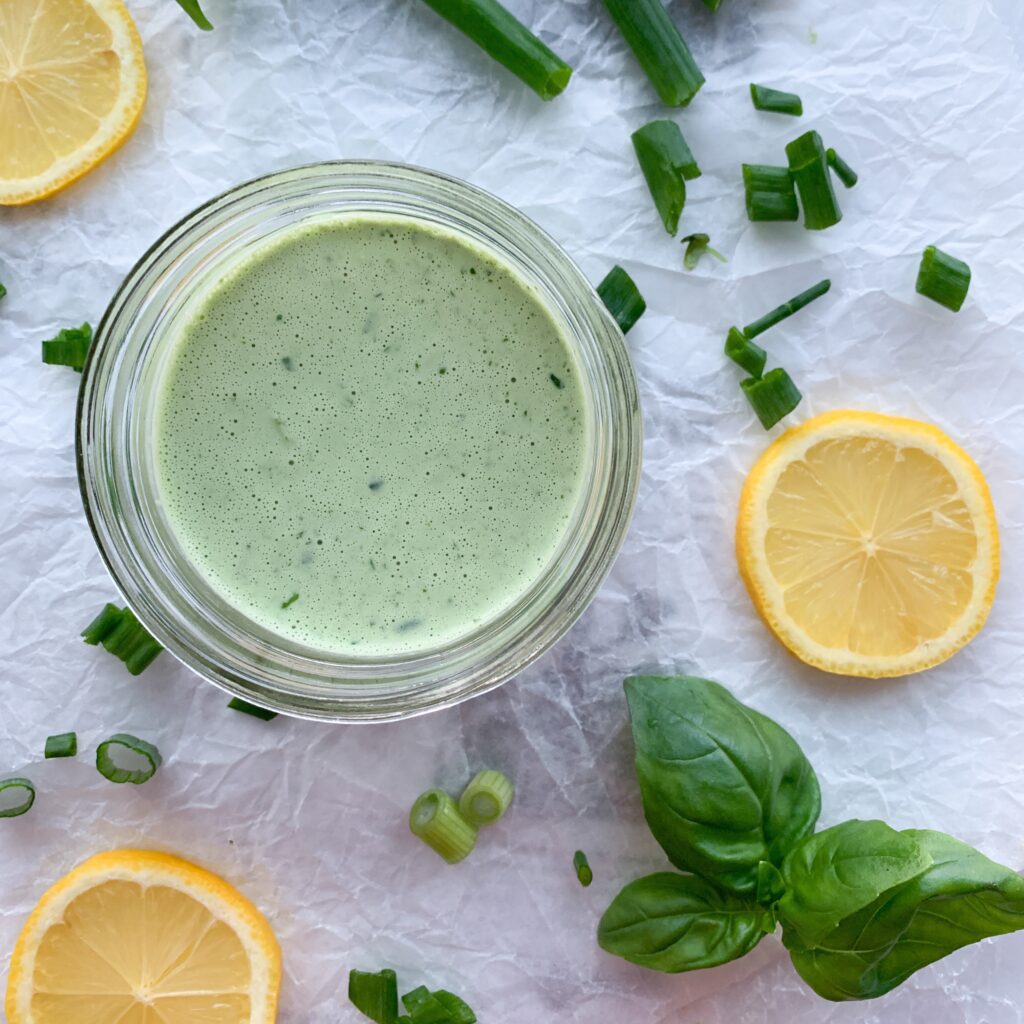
963	897
840	871
675	923
723	787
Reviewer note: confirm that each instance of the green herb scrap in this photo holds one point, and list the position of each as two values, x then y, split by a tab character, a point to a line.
69	347
195	12
697	246
734	802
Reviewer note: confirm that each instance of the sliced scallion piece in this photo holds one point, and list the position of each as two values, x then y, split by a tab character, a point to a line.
195	12
775	101
123	636
809	167
742	351
712	5
843	171
658	46
582	866
787	309
943	278
486	798
502	36
772	397
668	164
457	1009
437	821
20	790
3	290
375	995
69	347
770	193
697	246
237	704
138	759
622	298
64	744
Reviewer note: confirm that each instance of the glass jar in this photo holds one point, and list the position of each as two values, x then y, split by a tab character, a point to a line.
117	467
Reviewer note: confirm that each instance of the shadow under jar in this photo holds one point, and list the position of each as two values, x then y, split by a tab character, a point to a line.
239	443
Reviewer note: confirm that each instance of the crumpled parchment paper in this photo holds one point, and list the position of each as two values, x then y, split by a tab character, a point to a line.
925	98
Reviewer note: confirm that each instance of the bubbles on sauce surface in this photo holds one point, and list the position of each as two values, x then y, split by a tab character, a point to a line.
366	414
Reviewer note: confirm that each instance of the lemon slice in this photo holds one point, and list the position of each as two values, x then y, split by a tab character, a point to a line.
133	937
72	86
868	544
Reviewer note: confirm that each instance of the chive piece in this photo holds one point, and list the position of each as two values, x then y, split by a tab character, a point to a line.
486	798
441	1007
237	704
712	5
770	193
64	744
498	33
667	164
658	46
291	600
943	278
582	866
619	293
787	309
69	347
124	637
457	1009
843	171
697	246
436	820
807	164
775	101
103	625
14	785
772	397
742	351
375	995
107	766
195	12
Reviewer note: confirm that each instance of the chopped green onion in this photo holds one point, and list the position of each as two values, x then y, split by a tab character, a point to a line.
787	309
582	866
697	246
622	298
69	348
658	46
844	172
742	351
486	798
774	101
133	751
770	193
375	995
291	600
772	397
123	636
943	278
64	744
237	704
457	1009
3	290
556	380
808	165
194	11
11	787
712	4
668	164
436	820
501	35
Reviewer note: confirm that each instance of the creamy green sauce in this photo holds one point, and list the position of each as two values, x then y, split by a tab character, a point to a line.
378	418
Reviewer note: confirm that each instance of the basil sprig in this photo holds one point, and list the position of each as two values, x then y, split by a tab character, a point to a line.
733	802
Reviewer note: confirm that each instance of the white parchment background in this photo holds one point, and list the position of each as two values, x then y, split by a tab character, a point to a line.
925	98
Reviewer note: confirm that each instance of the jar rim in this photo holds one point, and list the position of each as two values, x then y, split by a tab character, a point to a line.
268	670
